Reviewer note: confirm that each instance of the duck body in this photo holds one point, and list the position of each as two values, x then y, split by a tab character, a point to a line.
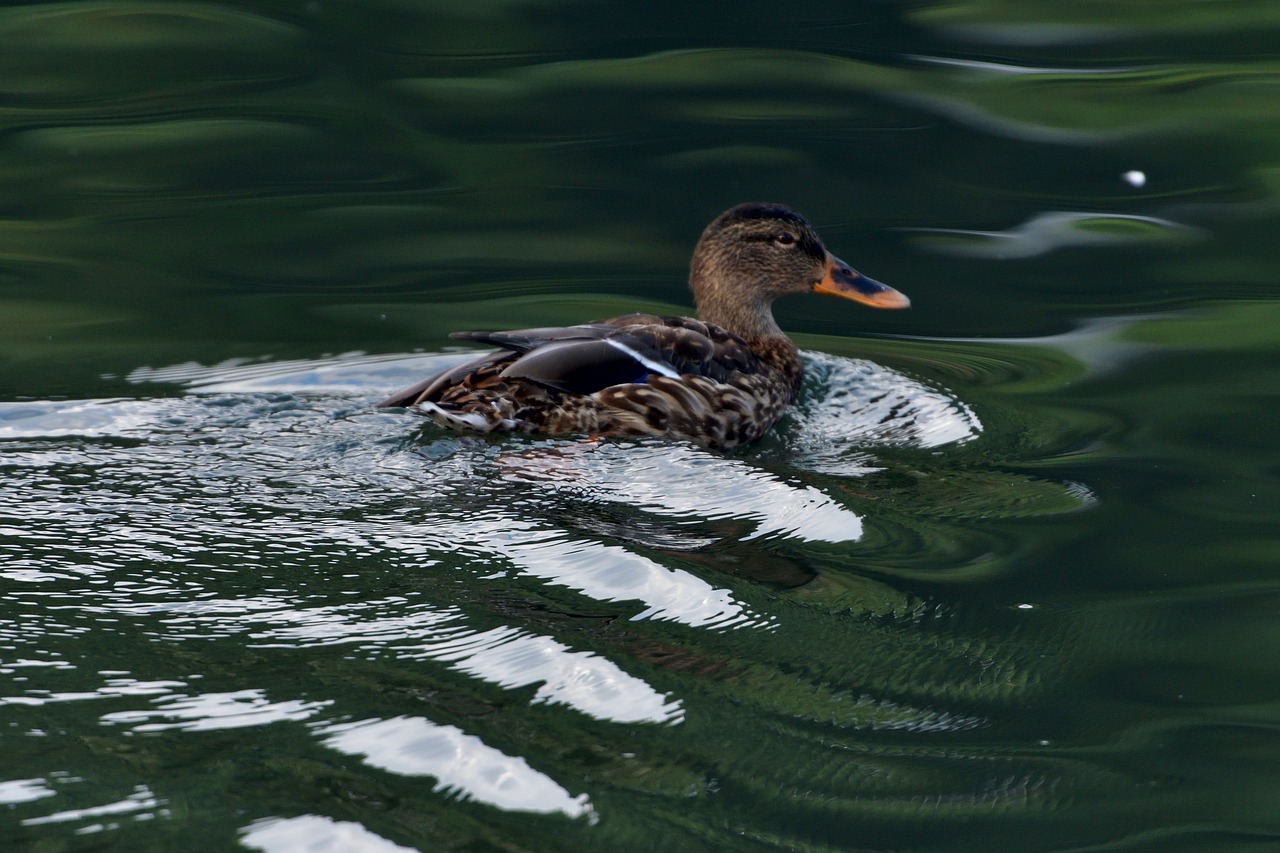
720	380
639	374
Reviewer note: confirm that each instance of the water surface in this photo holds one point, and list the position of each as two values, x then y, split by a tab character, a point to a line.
1005	579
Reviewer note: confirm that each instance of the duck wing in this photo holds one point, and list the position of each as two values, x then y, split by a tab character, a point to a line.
431	387
588	358
524	340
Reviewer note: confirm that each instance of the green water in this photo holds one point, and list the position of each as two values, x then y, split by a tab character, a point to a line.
1005	580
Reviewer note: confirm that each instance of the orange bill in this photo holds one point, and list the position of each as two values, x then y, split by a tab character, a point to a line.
843	281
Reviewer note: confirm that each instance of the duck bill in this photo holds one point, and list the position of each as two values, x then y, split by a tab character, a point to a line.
843	281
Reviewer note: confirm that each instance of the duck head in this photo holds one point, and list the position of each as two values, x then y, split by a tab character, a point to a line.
753	253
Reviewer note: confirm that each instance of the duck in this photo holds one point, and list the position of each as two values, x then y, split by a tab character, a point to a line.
720	379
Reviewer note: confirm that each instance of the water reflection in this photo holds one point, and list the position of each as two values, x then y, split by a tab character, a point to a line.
1101	346
1052	231
1019	595
24	791
50	419
114	688
209	711
140	805
309	833
507	657
458	761
272	514
689	485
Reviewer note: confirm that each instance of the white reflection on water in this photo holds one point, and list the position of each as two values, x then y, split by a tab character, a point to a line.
1099	344
56	418
253	476
1008	69
210	711
140	800
684	482
1053	230
238	513
509	657
605	572
350	373
460	762
114	688
315	834
591	684
24	791
859	405
7	667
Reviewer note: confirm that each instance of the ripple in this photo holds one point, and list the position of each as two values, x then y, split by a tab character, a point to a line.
24	791
689	483
113	689
508	657
585	682
95	418
852	406
213	711
142	800
349	373
203	48
1101	345
311	833
461	763
1053	231
614	586
1002	69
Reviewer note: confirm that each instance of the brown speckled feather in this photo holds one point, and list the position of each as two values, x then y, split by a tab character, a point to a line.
724	395
721	380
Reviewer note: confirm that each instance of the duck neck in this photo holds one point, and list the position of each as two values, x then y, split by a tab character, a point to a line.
752	320
741	307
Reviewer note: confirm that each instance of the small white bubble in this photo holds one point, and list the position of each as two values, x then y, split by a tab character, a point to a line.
1134	178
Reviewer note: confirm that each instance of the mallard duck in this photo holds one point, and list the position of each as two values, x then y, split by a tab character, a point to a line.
720	380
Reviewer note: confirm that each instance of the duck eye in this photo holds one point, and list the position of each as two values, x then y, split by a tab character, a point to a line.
784	239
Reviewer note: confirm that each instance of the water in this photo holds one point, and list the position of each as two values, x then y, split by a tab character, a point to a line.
1004	580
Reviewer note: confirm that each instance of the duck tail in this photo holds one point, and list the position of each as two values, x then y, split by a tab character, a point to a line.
482	419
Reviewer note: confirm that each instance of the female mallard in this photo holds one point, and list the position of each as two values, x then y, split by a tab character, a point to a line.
720	380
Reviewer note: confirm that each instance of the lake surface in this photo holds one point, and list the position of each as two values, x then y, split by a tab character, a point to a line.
1006	579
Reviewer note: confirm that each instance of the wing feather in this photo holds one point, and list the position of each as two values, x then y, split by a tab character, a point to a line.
580	367
594	356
